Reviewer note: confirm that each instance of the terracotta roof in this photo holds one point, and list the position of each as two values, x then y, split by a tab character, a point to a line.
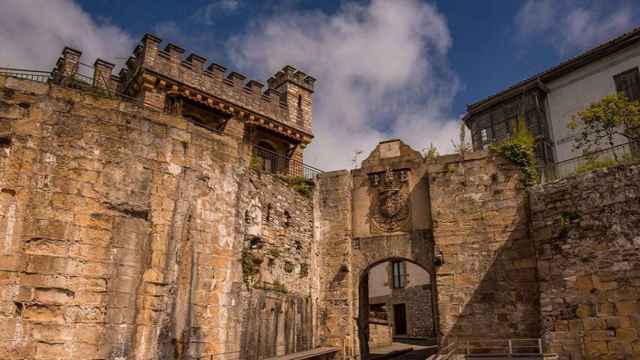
588	57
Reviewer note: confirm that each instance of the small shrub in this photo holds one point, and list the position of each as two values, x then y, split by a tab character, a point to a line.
520	149
431	153
299	184
255	163
566	218
273	252
250	266
595	164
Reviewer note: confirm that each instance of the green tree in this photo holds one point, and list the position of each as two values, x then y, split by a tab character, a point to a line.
614	115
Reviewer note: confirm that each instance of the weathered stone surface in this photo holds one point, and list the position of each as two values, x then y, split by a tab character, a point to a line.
376	213
486	284
122	233
380	333
589	263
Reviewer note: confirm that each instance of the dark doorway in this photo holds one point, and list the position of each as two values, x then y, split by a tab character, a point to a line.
400	319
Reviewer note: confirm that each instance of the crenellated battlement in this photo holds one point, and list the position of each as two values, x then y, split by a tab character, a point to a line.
276	118
172	71
289	73
158	75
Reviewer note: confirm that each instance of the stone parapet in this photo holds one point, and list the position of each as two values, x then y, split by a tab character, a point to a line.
168	66
291	74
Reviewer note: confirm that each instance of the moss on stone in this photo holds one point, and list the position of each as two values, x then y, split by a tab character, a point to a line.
299	184
250	266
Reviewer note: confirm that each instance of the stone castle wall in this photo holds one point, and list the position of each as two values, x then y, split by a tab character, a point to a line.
486	285
587	232
123	230
130	233
332	206
279	267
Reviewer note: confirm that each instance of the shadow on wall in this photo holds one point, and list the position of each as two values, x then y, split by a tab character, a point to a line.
487	284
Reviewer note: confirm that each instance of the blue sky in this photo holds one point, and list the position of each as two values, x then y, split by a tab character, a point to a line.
385	68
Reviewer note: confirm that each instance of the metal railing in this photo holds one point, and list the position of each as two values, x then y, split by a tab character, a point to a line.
269	161
266	159
33	75
76	81
509	348
615	155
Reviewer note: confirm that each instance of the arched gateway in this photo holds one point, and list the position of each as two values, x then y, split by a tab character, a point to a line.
469	210
395	307
383	209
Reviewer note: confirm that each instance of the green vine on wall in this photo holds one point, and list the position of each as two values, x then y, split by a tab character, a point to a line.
520	149
300	184
250	266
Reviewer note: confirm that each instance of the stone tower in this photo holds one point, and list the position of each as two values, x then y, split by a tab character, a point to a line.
275	124
296	90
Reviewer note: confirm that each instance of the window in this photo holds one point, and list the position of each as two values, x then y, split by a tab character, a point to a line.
378	311
628	83
484	138
299	114
399	274
267	155
200	115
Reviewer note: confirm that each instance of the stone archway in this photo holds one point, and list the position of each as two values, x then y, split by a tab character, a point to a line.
391	217
377	212
363	319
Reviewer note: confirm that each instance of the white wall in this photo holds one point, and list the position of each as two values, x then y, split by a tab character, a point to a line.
380	280
575	91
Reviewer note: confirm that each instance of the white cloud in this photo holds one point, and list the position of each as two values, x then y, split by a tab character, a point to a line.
382	67
382	73
208	14
32	36
569	25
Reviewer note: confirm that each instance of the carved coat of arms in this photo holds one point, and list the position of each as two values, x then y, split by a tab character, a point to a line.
390	208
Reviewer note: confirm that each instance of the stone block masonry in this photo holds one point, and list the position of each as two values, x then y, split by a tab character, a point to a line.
486	283
333	224
587	233
122	231
279	260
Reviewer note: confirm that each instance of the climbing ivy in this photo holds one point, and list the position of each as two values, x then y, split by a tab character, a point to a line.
520	149
250	266
300	184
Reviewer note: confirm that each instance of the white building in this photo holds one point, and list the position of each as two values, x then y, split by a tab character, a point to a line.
550	99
